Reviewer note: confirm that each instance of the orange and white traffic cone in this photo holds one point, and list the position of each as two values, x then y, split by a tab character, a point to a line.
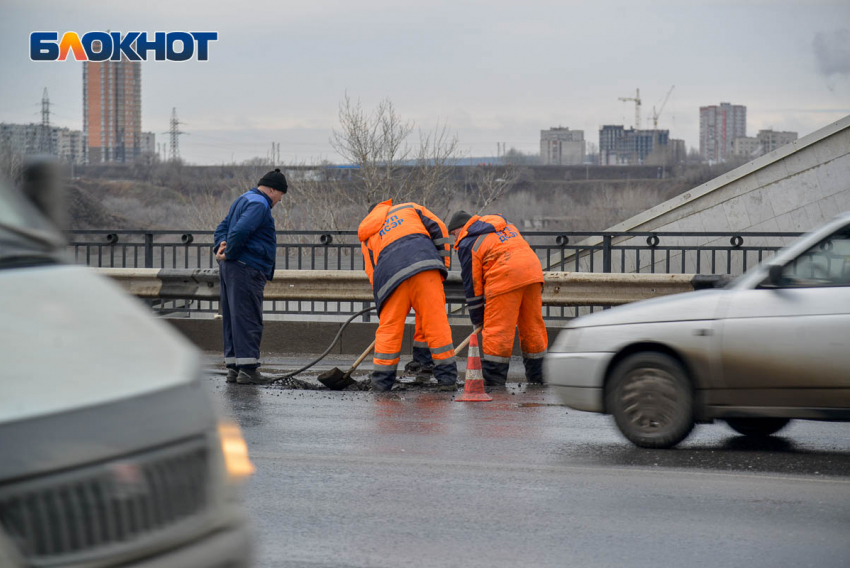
473	385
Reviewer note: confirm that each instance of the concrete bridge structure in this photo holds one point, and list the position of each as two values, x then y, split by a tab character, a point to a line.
795	188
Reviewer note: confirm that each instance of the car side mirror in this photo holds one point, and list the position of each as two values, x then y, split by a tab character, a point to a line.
774	276
41	185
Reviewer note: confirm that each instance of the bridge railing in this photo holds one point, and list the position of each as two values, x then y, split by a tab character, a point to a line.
712	253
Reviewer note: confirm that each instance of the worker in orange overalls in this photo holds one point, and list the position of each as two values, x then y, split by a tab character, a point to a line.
407	255
503	281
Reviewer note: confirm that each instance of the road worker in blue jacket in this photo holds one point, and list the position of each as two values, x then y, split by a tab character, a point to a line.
245	245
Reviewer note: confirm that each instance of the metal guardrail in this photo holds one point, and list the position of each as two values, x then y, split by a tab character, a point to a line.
559	288
666	251
714	253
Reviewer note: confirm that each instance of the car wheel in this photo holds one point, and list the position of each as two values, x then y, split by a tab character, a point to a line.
651	399
757	427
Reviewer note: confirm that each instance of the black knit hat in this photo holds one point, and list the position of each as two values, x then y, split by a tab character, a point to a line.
458	220
274	180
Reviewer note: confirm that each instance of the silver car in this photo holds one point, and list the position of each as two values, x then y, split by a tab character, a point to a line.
771	346
112	451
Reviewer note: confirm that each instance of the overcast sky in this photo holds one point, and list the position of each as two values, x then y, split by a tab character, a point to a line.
496	71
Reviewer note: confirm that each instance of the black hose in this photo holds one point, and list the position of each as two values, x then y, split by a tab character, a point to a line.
328	350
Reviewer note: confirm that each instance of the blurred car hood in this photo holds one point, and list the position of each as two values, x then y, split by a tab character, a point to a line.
71	339
701	305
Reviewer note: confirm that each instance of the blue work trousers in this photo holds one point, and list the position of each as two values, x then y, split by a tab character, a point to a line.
242	313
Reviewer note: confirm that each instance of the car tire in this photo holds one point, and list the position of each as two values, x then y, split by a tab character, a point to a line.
757	427
651	399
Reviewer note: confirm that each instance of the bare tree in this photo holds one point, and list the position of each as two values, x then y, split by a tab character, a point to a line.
436	159
376	143
518	158
321	200
593	152
11	162
491	183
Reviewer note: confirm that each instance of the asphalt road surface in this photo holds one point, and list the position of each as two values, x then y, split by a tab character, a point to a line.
415	479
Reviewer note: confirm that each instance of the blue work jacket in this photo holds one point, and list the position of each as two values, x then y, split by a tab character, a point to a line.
249	232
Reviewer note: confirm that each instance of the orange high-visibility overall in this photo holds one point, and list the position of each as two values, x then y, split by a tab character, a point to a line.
503	279
407	256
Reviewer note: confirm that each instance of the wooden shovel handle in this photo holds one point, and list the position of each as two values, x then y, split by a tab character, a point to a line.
466	341
363	356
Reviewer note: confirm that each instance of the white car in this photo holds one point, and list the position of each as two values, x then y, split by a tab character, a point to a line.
112	452
771	346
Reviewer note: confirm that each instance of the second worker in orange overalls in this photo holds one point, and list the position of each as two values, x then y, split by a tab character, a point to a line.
502	280
407	256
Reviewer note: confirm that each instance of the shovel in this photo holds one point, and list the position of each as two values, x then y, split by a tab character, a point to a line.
336	380
466	341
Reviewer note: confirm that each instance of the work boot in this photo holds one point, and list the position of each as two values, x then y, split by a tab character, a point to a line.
253	377
447	387
533	370
380	387
417	368
422	380
383	381
232	374
495	374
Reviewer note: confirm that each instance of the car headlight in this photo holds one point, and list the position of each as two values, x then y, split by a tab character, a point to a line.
235	451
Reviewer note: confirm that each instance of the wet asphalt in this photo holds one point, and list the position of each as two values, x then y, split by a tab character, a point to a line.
412	478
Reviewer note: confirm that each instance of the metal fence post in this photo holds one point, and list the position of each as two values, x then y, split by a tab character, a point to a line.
606	253
148	250
367	317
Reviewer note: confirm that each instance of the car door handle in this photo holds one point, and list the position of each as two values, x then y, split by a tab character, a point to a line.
703	332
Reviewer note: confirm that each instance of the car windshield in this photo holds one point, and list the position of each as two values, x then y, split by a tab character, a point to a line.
26	237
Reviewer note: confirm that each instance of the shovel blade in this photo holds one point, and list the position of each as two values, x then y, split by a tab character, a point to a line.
335	379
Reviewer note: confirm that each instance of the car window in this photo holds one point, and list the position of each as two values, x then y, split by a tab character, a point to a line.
825	264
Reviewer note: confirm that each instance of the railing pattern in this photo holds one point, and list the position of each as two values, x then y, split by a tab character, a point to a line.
725	253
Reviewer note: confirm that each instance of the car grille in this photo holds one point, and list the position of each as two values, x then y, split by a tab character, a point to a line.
107	508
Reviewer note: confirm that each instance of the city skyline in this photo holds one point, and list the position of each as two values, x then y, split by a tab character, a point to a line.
481	71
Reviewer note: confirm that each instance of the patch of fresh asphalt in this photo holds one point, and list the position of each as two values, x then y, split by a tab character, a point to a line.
412	478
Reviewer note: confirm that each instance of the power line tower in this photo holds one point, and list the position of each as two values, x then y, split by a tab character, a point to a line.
175	133
636	100
45	143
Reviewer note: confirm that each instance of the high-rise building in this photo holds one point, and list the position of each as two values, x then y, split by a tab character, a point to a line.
764	142
719	126
561	147
747	147
27	139
771	140
21	138
147	143
112	109
618	146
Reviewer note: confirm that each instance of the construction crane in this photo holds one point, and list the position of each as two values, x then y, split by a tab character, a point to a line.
655	115
636	100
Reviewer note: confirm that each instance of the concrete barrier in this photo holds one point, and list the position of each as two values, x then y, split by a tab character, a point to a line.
291	337
559	289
